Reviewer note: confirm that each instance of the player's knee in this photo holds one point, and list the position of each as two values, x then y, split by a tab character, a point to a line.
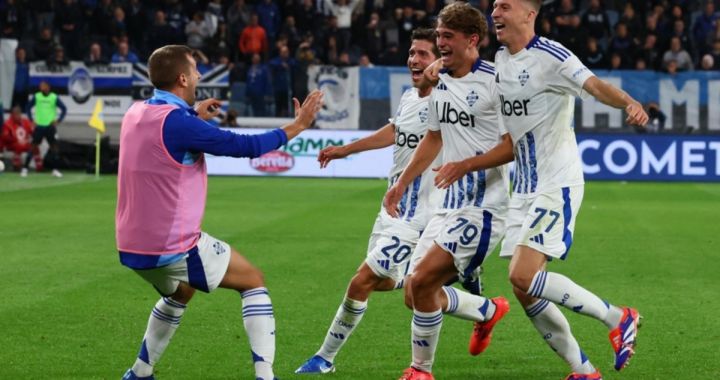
421	285
408	294
521	280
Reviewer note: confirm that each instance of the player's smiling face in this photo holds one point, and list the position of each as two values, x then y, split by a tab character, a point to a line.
454	46
509	17
420	56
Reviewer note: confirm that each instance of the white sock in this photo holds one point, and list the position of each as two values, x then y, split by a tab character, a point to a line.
260	327
467	306
347	317
564	292
555	329
164	320
425	335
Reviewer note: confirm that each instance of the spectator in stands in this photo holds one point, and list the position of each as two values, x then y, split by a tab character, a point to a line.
215	8
161	33
123	54
268	17
563	18
22	79
640	64
102	21
650	52
136	19
631	20
594	57
291	32
343	12
219	43
197	31
678	55
253	39
707	62
16	137
672	67
715	53
391	56
238	17
258	85
617	62
305	14
44	45
118	28
680	32
283	70
69	19
596	21
622	43
95	55
176	17
407	20
364	61
374	37
11	20
58	59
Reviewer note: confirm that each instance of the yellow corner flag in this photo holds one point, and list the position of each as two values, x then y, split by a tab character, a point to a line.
96	120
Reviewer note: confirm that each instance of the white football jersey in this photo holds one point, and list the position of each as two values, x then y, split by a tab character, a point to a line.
536	90
422	197
465	113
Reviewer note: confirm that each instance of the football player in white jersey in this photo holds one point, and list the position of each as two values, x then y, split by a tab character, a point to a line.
463	123
393	240
537	82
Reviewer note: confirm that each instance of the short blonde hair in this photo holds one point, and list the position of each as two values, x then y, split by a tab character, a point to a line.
465	18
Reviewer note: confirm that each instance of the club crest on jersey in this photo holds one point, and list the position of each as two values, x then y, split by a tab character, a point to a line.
523	77
471	98
423	114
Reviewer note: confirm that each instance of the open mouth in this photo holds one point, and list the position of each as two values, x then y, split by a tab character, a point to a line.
499	26
416	73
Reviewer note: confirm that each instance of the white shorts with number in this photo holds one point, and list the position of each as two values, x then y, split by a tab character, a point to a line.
469	235
203	268
544	222
390	247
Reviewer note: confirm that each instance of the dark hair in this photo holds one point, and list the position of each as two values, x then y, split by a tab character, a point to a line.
464	18
167	63
426	34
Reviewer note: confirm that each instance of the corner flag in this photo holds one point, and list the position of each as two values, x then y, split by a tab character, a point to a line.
96	120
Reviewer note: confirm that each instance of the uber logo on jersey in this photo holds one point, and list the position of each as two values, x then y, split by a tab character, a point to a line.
423	114
453	116
516	107
523	77
407	139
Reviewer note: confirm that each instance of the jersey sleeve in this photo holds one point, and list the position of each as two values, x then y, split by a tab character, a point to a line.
568	75
433	122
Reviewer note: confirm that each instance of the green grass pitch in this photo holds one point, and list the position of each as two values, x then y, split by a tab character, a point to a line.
69	310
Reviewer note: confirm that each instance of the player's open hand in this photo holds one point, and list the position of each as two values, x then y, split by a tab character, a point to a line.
636	114
432	72
208	108
309	108
392	198
449	173
330	153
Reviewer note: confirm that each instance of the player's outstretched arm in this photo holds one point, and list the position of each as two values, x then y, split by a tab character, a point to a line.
500	154
382	138
615	97
304	114
424	155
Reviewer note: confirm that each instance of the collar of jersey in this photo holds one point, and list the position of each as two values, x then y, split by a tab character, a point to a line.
162	96
474	67
532	42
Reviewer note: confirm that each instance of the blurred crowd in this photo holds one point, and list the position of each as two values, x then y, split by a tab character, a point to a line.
269	43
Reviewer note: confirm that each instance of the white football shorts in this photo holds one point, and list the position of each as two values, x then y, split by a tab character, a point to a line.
544	222
203	268
470	234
